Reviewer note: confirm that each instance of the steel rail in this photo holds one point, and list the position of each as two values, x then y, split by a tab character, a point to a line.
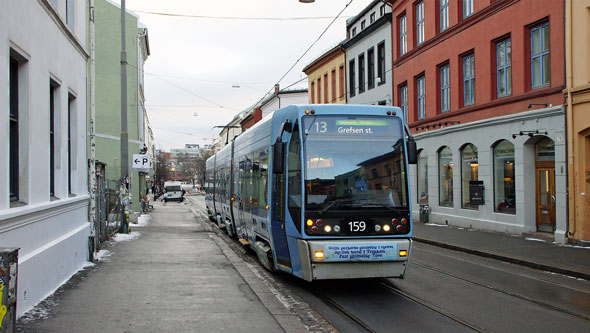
539	303
386	284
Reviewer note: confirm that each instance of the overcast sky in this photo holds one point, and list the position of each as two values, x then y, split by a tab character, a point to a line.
196	61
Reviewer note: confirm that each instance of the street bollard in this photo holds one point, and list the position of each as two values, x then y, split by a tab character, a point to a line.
8	278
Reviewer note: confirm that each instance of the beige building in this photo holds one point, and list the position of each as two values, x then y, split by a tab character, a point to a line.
577	96
327	77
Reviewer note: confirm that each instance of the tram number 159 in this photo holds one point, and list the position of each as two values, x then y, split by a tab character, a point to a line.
357	226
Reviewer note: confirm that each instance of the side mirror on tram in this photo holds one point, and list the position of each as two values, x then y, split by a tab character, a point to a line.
278	158
412	152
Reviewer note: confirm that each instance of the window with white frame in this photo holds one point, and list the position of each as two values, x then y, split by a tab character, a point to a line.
421	94
372	17
540	66
504	68
444	15
467	8
420	23
469	79
403	36
445	89
403	101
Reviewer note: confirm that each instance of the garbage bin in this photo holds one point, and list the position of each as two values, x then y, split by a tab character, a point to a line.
424	213
8	276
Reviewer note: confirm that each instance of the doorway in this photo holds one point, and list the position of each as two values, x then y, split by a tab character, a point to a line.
545	185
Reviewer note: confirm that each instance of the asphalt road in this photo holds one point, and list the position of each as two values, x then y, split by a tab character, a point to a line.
447	291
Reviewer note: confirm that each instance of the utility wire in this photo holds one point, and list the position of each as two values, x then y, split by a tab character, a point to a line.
237	17
184	89
306	51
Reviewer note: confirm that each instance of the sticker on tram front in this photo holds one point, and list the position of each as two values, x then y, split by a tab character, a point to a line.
360	252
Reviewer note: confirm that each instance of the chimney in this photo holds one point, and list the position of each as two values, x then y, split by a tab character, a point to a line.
277	88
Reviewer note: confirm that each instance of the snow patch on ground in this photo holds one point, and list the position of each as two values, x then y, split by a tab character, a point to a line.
436	225
534	239
142	221
126	237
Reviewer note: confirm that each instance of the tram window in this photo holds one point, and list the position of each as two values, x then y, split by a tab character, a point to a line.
255	179
241	174
247	186
262	202
294	176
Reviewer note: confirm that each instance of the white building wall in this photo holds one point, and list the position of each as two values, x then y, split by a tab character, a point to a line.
283	100
484	134
52	234
381	91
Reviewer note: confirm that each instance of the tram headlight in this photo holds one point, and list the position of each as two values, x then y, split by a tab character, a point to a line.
403	253
319	254
336	228
377	228
386	228
309	223
327	228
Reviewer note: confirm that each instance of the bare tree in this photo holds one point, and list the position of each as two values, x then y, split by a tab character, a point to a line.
187	166
201	164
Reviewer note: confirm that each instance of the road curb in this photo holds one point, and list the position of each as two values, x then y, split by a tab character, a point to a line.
288	321
511	260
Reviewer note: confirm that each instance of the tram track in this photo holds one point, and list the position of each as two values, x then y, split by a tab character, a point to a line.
508	293
386	284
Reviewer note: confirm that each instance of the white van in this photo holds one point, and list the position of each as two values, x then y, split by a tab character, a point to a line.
173	191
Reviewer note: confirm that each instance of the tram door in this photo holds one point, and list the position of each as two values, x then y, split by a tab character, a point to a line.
288	181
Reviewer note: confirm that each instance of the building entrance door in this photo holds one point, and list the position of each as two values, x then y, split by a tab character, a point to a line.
545	184
546	199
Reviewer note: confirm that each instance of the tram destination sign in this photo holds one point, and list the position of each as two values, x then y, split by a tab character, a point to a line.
339	126
360	252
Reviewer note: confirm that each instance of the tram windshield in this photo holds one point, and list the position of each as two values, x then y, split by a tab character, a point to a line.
354	163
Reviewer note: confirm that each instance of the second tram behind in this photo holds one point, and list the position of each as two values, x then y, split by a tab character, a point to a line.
319	191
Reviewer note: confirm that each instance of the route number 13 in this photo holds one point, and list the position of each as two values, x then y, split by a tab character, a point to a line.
321	127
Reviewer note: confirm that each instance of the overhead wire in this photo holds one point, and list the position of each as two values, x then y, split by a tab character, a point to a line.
237	17
306	51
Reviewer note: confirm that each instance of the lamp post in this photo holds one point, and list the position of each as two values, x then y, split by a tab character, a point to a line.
125	186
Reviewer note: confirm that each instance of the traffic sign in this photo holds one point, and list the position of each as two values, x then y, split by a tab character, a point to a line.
141	162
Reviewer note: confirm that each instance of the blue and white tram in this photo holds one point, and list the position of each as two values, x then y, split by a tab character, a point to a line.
319	191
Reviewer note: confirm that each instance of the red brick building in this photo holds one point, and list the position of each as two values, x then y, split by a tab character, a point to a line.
482	83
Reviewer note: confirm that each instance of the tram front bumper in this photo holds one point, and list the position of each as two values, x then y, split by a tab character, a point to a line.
353	258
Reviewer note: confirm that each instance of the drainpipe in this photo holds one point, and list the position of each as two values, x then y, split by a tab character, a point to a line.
93	189
570	190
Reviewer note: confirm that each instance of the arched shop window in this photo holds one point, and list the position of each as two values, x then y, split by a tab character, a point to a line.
422	178
469	171
504	178
445	177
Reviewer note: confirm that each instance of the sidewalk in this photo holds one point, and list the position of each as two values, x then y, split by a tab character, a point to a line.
534	253
171	275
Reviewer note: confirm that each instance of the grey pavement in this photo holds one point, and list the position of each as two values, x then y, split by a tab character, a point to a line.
532	252
176	276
